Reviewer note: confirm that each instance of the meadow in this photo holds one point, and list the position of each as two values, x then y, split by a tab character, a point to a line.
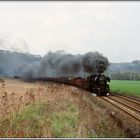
49	110
125	87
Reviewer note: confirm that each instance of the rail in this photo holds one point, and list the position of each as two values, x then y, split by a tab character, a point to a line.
135	113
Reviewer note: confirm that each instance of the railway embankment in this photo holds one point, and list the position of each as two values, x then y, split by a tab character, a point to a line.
45	109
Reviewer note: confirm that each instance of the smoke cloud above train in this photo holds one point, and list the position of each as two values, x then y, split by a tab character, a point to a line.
53	64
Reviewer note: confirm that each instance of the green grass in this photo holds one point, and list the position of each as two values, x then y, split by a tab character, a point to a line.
64	123
126	87
1	80
57	120
36	119
28	123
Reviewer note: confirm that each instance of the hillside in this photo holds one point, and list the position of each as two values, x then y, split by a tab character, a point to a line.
133	66
12	63
46	109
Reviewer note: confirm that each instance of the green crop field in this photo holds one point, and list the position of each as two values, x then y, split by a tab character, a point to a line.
126	87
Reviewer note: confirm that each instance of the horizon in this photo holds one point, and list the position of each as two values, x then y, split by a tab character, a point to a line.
56	51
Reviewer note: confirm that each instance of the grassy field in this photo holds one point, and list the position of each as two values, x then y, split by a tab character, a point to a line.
126	87
44	120
38	120
32	110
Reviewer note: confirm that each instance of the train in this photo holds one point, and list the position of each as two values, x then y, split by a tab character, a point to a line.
97	84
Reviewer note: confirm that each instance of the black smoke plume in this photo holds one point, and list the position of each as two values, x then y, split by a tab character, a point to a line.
53	64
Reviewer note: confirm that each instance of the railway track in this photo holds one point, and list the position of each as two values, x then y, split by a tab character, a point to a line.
131	103
127	97
126	104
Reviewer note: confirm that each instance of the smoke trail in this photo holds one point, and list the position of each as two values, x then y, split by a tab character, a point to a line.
60	64
13	63
53	64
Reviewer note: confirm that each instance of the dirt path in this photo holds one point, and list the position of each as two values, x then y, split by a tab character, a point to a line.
96	116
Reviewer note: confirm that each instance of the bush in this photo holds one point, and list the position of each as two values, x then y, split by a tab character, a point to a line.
1	80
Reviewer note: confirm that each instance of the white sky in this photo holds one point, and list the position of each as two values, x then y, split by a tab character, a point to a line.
112	28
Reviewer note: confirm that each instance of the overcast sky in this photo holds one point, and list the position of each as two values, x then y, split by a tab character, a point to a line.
111	28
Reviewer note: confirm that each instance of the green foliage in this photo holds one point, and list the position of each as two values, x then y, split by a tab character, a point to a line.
58	120
126	87
1	80
125	76
33	120
64	123
28	123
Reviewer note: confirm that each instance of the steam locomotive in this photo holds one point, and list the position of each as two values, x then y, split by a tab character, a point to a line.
97	84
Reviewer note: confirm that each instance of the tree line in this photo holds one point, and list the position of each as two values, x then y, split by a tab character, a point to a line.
125	76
